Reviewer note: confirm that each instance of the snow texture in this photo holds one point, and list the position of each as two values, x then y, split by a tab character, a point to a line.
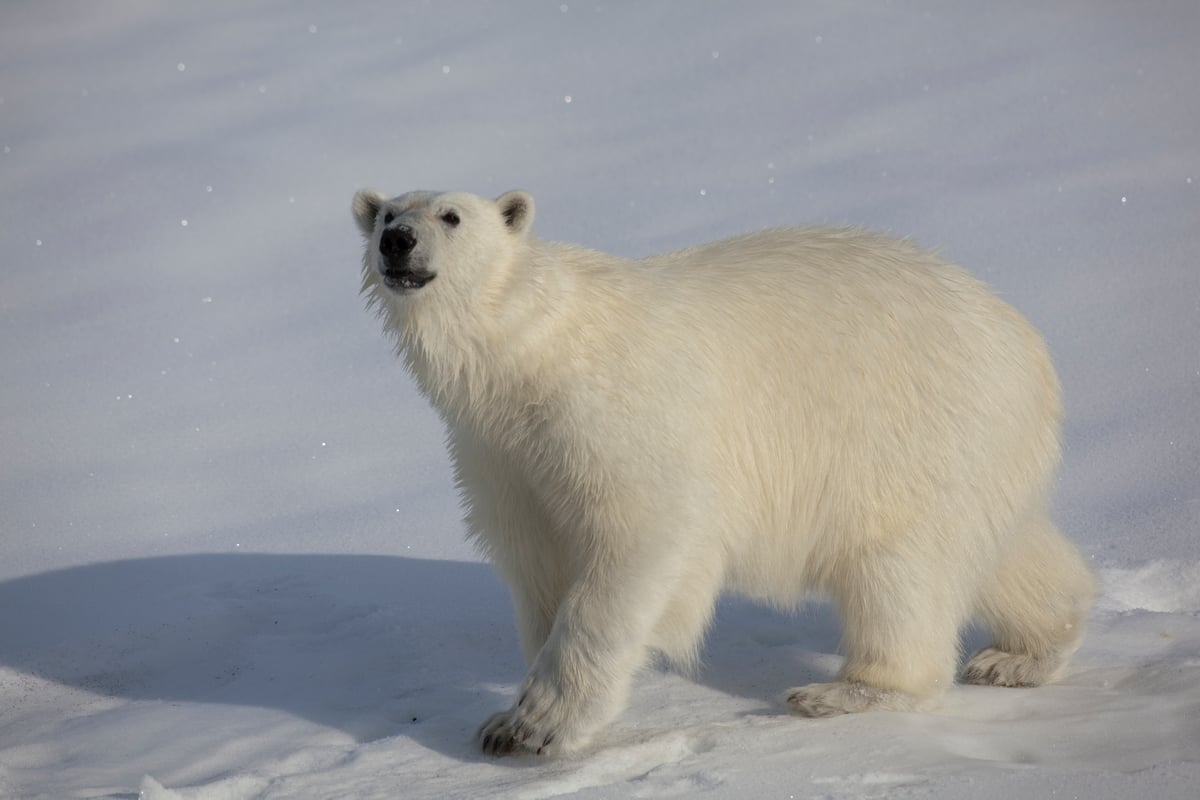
231	564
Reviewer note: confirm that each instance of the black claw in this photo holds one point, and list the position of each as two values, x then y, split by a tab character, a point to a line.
521	701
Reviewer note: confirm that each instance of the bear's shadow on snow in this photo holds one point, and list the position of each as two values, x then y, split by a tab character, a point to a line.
758	653
375	646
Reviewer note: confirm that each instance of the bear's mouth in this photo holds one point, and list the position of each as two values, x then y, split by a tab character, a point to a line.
406	279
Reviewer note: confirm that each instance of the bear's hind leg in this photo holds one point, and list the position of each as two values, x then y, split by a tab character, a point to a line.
1035	606
900	640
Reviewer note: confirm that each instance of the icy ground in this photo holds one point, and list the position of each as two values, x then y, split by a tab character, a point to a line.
230	560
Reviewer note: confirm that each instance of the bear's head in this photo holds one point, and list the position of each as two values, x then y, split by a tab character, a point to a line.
422	242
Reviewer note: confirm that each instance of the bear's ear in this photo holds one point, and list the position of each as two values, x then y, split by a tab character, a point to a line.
517	209
367	203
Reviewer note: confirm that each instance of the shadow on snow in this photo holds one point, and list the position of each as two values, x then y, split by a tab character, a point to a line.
375	646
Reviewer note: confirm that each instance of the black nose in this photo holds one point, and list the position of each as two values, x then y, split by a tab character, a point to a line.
397	243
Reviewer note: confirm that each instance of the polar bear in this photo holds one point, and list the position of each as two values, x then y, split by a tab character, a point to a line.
790	412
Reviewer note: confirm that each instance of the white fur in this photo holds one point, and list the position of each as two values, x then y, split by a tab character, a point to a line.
794	411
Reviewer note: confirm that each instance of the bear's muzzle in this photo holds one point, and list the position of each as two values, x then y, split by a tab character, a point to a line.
395	249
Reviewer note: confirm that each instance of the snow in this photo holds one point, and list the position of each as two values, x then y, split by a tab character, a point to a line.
231	564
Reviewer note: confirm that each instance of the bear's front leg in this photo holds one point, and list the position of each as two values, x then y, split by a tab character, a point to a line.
580	679
540	722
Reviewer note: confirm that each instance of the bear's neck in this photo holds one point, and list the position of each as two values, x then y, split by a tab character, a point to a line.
486	363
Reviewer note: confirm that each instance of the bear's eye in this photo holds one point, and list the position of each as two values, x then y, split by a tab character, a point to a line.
450	218
388	217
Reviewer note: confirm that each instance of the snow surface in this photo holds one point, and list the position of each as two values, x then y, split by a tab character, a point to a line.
230	558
